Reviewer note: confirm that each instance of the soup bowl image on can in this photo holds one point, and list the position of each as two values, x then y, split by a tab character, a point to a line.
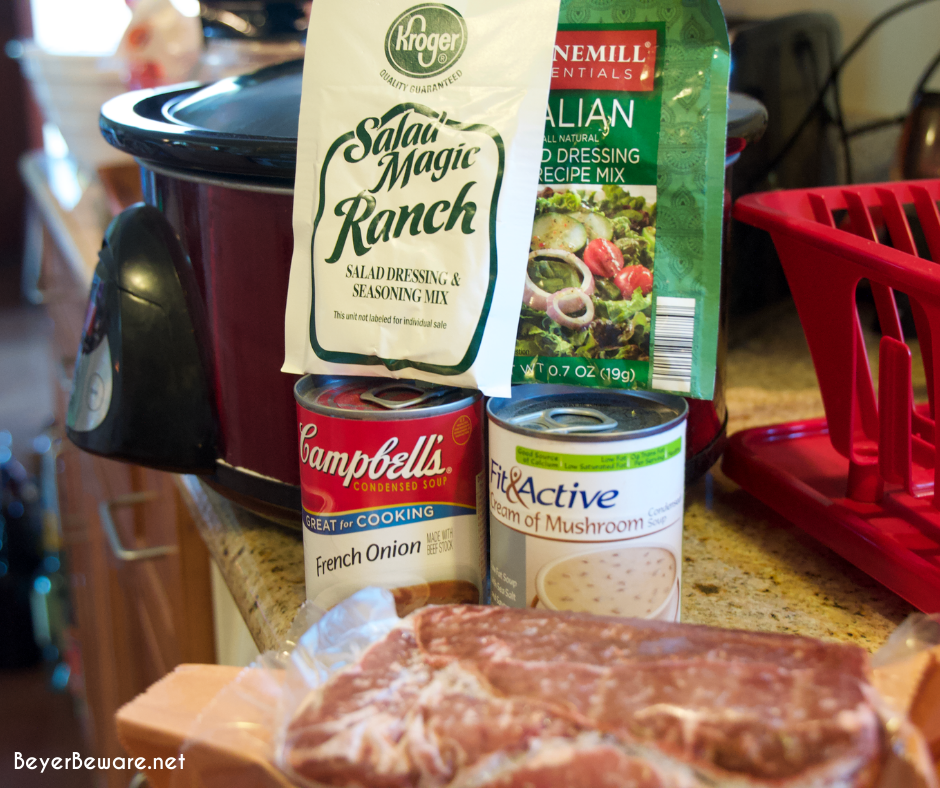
586	492
636	582
410	590
393	491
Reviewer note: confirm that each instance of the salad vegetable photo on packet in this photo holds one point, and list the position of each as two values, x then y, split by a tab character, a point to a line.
589	279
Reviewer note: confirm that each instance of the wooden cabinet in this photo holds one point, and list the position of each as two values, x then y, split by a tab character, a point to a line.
137	618
139	571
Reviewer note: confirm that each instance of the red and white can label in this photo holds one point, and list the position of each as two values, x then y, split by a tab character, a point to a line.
393	503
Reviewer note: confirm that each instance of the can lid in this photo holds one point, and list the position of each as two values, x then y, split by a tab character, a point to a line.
577	414
394	395
365	399
564	421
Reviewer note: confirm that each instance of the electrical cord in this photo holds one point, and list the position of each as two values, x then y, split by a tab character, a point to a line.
874	125
832	81
897	120
843	132
928	73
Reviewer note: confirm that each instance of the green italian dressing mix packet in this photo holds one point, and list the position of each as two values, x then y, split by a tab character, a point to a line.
623	272
417	160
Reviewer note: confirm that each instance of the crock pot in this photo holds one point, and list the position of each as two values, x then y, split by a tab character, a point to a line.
179	367
706	436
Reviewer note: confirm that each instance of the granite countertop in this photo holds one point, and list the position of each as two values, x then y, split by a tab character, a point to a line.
743	565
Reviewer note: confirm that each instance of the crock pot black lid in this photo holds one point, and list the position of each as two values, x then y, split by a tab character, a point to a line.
243	126
263	104
246	126
255	20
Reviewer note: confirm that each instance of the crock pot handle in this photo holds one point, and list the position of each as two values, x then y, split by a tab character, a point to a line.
140	390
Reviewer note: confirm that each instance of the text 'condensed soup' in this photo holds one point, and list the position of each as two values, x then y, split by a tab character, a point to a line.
586	493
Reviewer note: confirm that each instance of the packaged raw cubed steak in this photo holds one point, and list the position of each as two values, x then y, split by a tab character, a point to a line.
622	281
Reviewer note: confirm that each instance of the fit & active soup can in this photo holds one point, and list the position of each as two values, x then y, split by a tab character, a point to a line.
586	495
393	490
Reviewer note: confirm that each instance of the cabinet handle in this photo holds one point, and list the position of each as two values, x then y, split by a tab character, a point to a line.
32	255
107	522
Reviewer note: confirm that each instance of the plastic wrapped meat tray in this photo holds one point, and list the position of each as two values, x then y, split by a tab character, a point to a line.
489	697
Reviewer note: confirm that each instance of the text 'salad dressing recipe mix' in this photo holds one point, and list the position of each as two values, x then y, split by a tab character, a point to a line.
418	154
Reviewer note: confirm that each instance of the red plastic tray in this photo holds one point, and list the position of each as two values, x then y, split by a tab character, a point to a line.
863	479
794	469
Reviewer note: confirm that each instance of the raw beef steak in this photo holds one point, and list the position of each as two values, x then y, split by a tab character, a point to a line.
492	697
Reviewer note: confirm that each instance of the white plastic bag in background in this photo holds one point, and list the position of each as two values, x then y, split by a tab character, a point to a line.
162	44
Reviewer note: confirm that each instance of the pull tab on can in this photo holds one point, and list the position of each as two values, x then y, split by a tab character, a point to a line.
375	395
566	421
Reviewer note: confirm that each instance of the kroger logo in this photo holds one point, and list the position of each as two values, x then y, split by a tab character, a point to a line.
426	40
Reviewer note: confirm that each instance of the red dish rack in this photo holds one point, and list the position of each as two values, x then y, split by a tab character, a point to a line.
863	479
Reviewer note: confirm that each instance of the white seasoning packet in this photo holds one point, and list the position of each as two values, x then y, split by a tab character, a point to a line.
418	154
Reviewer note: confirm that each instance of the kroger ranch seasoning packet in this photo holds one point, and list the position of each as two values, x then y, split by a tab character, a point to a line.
622	281
417	160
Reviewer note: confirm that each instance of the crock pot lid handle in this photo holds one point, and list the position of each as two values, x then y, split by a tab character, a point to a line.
548	421
375	395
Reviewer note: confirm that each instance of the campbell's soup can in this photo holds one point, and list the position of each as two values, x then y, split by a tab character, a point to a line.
393	491
586	492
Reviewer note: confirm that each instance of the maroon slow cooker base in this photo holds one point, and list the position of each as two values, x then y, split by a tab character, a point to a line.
240	243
